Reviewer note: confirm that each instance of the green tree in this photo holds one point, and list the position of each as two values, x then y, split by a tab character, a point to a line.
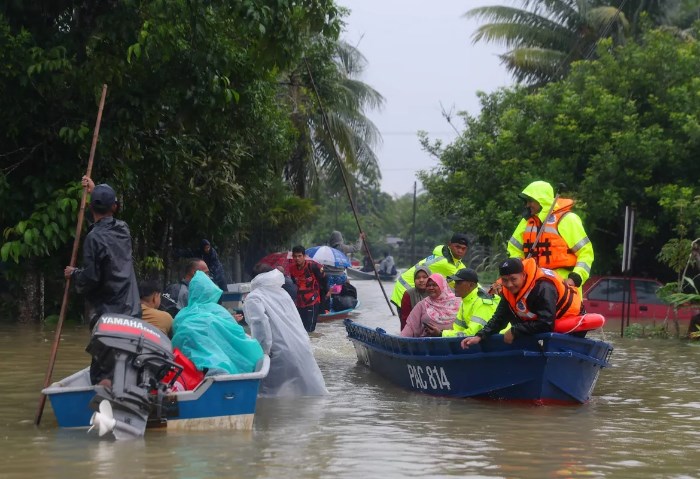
616	131
335	68
193	136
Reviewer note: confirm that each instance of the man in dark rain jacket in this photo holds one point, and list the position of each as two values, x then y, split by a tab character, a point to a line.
107	278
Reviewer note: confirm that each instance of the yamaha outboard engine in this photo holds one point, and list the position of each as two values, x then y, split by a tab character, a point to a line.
139	356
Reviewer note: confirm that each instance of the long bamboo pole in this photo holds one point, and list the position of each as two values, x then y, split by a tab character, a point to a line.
73	260
326	124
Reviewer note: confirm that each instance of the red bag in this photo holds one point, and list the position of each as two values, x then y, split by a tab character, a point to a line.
190	377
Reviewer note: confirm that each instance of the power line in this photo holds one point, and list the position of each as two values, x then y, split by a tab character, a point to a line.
415	133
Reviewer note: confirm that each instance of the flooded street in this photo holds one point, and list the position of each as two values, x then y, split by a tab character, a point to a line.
643	421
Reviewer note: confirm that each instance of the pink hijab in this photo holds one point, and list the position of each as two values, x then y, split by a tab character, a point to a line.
443	309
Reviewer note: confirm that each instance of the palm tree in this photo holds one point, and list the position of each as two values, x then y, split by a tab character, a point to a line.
345	99
546	36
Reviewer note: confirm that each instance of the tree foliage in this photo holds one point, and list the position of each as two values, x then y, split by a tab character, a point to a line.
616	131
196	132
544	38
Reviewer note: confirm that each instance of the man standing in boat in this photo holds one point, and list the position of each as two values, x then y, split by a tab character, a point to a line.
107	278
533	298
563	244
311	283
445	260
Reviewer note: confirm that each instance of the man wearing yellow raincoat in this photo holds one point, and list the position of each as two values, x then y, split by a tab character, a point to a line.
563	245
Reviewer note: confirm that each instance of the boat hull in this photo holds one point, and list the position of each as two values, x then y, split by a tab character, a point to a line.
335	315
356	274
225	401
548	368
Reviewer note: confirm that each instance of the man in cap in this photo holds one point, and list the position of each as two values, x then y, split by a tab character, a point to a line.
107	278
445	260
477	305
533	298
563	244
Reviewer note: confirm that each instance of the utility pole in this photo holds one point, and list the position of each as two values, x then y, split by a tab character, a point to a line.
413	227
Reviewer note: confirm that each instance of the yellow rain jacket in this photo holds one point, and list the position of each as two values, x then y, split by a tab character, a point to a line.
564	245
475	311
441	261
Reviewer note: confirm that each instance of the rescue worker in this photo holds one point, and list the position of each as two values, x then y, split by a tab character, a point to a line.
563	245
446	260
477	305
311	284
533	298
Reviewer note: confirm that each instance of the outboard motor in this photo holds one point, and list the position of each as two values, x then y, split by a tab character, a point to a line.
139	355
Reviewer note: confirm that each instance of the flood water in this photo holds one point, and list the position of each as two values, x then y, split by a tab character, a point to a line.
643	421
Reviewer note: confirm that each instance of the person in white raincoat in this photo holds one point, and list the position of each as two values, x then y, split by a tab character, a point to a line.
274	321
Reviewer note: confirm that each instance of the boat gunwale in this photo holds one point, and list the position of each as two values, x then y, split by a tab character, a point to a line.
191	395
537	349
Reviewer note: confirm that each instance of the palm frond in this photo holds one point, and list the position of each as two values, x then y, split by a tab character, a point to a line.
534	65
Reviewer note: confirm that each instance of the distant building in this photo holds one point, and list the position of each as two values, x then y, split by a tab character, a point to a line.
394	241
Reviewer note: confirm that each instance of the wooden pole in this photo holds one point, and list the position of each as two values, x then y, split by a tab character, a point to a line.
326	124
73	260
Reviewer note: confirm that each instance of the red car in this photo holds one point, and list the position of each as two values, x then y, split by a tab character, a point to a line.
605	295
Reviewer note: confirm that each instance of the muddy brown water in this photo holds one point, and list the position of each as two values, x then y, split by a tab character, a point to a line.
643	421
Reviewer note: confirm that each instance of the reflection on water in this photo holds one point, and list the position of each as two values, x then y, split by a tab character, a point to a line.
644	421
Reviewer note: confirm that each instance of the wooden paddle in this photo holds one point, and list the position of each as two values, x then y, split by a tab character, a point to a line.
73	260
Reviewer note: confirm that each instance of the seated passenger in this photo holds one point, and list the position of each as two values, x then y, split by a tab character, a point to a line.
179	292
150	292
209	336
387	265
477	305
414	294
276	324
434	313
533	299
346	298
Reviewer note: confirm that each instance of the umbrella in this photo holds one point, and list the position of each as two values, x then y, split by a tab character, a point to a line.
283	258
328	256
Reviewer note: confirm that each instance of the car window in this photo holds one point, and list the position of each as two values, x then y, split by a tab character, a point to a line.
646	292
608	290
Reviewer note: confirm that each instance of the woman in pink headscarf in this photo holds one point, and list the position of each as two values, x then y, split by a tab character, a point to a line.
434	313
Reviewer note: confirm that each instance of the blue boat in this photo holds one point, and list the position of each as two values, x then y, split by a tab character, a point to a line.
334	315
224	401
547	368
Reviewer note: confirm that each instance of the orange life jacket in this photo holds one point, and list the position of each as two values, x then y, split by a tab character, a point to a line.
551	250
568	299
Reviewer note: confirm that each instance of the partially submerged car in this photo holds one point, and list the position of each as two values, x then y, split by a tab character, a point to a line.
606	294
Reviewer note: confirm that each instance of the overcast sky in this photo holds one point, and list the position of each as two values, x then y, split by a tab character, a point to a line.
420	56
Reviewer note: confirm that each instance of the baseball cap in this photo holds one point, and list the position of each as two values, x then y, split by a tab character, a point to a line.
460	238
465	274
510	266
103	197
